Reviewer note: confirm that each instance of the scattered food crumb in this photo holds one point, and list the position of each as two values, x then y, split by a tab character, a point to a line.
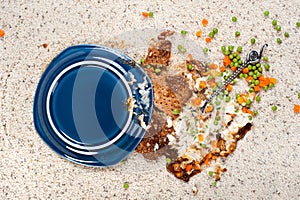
126	185
296	108
2	33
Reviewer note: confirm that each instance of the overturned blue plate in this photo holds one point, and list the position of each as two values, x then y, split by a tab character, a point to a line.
92	105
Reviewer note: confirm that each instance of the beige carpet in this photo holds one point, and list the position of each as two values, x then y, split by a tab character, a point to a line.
266	164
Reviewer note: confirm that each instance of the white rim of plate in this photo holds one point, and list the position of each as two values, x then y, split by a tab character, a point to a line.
96	64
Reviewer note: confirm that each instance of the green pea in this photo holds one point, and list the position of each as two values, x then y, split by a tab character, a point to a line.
252	40
223	48
231	64
227	52
226	92
238	57
240	49
215	30
278	28
250	117
274	108
157	70
190	67
227	98
241	75
286	34
176	111
255	112
250	67
266	88
255	72
267	67
211	34
221	96
231	56
150	14
218	103
271	85
258	65
216	122
266	13
245	75
256	82
240	62
126	186
234	19
252	84
299	95
258	98
274	22
254	68
298	24
234	60
278	40
251	90
230	48
258	74
250	73
248	102
142	60
254	76
205	49
218	118
183	32
235	55
237	33
234	81
237	96
168	160
260	69
265	58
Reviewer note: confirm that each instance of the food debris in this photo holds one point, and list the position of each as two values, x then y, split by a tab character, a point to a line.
45	45
195	190
204	22
199	33
145	14
296	108
126	186
2	33
193	141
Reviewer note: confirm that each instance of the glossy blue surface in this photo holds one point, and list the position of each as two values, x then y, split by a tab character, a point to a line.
81	110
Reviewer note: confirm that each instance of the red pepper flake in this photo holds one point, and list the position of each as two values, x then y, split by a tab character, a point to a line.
2	33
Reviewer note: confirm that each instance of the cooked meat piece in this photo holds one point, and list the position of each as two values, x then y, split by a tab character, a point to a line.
180	87
198	66
157	123
159	53
154	144
165	34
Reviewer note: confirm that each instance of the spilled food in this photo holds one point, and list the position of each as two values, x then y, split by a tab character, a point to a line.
193	140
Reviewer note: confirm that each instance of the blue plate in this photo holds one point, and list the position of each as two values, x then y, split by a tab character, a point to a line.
92	105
